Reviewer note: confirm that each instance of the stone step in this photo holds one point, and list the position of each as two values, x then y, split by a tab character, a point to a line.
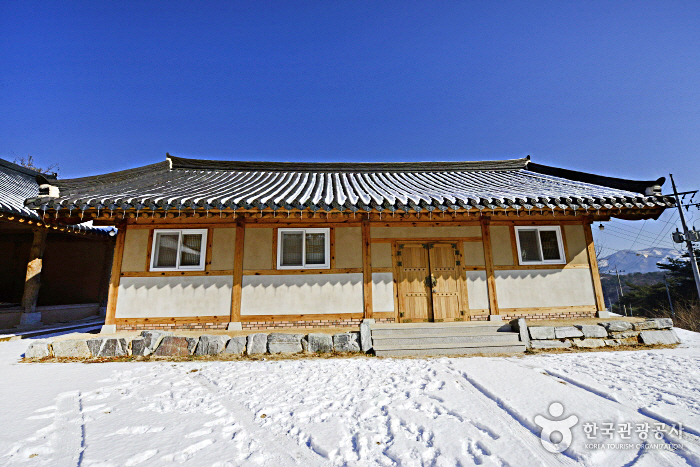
90	326
445	338
449	349
435	328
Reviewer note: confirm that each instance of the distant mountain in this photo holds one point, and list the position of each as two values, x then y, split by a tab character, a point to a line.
637	261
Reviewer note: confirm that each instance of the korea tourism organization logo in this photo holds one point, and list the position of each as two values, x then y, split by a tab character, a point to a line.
557	428
557	433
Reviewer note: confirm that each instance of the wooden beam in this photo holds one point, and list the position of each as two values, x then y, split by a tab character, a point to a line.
367	269
237	290
32	282
488	262
593	263
115	277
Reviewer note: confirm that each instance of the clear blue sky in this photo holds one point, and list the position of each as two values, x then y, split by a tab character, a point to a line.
606	87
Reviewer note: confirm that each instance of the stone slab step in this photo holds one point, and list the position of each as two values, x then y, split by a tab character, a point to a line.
429	350
87	326
437	329
438	339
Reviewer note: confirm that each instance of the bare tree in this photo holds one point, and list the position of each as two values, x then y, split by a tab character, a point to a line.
29	163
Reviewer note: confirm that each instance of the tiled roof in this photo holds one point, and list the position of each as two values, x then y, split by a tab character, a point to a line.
180	183
18	183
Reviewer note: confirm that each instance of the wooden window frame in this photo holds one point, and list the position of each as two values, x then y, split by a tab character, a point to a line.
327	244
180	232
539	228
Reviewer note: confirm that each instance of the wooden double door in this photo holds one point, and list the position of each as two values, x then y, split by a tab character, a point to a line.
431	286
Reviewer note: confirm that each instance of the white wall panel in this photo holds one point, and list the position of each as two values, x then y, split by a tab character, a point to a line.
382	292
542	288
478	290
166	297
302	294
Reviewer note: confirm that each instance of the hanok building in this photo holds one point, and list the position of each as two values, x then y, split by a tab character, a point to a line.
49	272
273	245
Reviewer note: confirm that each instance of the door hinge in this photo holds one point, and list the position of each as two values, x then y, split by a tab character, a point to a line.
458	263
398	263
461	312
401	314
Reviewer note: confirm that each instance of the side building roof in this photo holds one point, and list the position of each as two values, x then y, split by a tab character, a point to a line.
179	183
18	183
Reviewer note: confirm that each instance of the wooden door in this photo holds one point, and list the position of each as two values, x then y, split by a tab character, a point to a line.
445	272
414	272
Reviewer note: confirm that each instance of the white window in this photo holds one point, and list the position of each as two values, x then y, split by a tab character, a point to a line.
539	245
178	250
303	249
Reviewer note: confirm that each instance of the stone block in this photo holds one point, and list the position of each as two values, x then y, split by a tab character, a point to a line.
108	329
284	343
236	345
346	342
73	348
664	337
654	323
172	346
37	350
541	332
549	344
139	347
592	330
108	347
611	342
588	343
564	332
234	326
624	335
211	345
626	341
257	344
319	342
154	337
520	326
305	344
366	334
616	326
192	344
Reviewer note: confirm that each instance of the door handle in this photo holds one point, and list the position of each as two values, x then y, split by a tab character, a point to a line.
433	281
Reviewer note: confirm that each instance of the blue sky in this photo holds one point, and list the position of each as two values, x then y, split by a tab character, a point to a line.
606	87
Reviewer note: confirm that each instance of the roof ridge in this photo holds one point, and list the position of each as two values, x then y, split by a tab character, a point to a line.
425	166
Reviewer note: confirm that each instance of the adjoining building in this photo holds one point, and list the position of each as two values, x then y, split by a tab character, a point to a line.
256	245
50	272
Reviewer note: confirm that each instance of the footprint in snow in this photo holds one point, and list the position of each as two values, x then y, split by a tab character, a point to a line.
141	457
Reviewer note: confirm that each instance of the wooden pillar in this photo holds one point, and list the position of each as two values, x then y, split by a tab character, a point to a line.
32	281
108	258
236	291
593	264
367	269
488	262
115	276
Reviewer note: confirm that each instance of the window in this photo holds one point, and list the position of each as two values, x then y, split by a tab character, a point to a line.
303	249
178	250
539	245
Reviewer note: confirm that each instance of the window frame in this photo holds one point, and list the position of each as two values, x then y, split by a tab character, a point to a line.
327	253
539	228
202	257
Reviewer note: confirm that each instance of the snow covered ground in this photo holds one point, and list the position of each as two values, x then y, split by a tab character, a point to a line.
357	412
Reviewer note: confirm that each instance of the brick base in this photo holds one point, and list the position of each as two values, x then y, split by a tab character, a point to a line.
555	315
253	325
171	326
308	324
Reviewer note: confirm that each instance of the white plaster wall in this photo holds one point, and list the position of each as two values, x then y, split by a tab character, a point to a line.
544	288
478	290
382	291
166	297
301	294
